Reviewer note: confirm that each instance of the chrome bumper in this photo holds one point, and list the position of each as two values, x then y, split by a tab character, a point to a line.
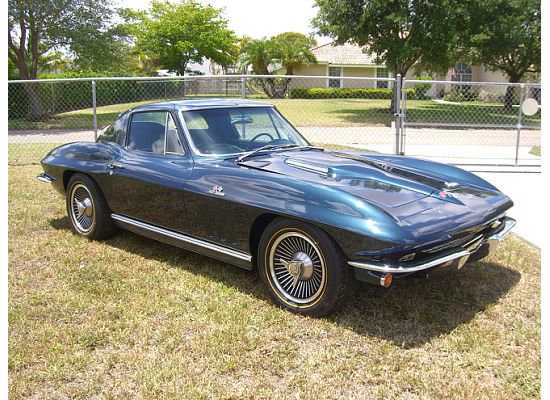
45	178
459	257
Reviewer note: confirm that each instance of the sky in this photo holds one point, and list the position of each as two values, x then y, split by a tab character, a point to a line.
258	18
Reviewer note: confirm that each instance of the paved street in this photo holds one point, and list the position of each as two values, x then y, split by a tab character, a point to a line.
525	190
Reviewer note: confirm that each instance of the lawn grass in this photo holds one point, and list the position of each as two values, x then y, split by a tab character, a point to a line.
28	153
535	151
323	112
132	318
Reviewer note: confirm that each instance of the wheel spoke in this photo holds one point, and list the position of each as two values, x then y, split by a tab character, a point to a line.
82	204
296	267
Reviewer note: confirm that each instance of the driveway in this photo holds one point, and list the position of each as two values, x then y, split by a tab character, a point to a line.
525	190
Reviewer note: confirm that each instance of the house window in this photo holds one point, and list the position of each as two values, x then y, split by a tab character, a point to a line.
335	83
462	73
382	73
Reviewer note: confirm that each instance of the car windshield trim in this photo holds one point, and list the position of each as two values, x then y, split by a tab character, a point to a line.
265	148
275	147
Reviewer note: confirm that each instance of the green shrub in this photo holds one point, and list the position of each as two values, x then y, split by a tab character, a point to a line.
422	88
491	97
62	96
343	93
460	94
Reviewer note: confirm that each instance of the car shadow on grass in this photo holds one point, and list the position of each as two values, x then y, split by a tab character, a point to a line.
413	311
408	314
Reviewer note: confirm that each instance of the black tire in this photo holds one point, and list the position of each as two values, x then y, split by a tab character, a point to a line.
88	213
302	268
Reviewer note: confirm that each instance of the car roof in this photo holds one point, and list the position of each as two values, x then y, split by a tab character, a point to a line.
204	103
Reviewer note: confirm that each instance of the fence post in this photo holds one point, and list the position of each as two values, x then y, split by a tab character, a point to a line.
94	112
518	134
53	98
243	86
397	112
402	114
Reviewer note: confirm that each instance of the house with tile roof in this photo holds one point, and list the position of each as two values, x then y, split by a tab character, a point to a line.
349	60
339	61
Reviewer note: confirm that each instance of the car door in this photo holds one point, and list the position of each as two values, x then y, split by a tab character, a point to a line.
147	177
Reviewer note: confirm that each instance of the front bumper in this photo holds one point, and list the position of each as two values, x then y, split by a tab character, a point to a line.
371	271
45	178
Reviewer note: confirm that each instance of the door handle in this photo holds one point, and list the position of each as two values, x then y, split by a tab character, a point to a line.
114	165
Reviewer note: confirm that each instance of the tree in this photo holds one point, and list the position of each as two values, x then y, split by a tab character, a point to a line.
401	33
180	33
35	27
288	49
258	54
508	38
292	49
111	50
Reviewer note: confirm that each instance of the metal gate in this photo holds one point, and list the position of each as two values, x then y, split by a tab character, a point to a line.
483	123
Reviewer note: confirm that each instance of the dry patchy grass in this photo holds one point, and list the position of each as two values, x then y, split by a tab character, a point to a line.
132	318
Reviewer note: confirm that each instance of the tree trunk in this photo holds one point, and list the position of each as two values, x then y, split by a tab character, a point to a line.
181	72
36	110
275	88
511	95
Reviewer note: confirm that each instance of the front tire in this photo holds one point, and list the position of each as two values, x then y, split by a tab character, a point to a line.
88	212
303	269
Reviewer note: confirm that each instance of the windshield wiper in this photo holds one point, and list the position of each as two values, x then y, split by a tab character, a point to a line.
262	149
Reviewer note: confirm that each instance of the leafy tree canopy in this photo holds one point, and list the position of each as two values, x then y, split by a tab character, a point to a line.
287	50
36	27
400	32
179	33
508	37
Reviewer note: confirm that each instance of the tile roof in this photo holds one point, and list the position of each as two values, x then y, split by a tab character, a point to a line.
345	54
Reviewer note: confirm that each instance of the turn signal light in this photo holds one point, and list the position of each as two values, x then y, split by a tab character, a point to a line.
386	280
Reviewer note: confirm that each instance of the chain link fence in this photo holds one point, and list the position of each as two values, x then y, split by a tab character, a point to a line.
459	122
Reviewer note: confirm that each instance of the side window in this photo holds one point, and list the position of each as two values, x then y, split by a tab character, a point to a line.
155	132
115	132
173	142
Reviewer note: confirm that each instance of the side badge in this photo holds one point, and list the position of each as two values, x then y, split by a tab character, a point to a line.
217	190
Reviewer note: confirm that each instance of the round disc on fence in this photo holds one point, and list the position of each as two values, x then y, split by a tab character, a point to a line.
530	107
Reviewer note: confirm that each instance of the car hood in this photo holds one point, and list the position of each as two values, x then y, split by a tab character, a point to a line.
409	194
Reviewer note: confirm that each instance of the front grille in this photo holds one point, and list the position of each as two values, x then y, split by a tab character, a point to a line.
453	243
469	240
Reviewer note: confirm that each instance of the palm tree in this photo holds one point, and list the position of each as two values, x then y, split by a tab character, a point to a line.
258	55
286	50
293	49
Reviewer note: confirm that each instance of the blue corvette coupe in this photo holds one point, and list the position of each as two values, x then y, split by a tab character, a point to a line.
234	180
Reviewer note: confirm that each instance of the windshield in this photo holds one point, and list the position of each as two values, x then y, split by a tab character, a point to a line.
238	130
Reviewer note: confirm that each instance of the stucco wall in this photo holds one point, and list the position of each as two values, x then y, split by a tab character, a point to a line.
481	74
322	70
367	72
310	70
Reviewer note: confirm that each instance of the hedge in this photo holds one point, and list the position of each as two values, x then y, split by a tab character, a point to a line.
324	93
63	96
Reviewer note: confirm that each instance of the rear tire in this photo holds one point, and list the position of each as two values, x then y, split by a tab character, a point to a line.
88	212
302	269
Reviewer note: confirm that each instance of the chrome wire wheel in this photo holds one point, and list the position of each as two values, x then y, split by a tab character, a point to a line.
297	268
82	208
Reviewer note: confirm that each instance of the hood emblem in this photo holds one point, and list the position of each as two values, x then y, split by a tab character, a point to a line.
217	190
